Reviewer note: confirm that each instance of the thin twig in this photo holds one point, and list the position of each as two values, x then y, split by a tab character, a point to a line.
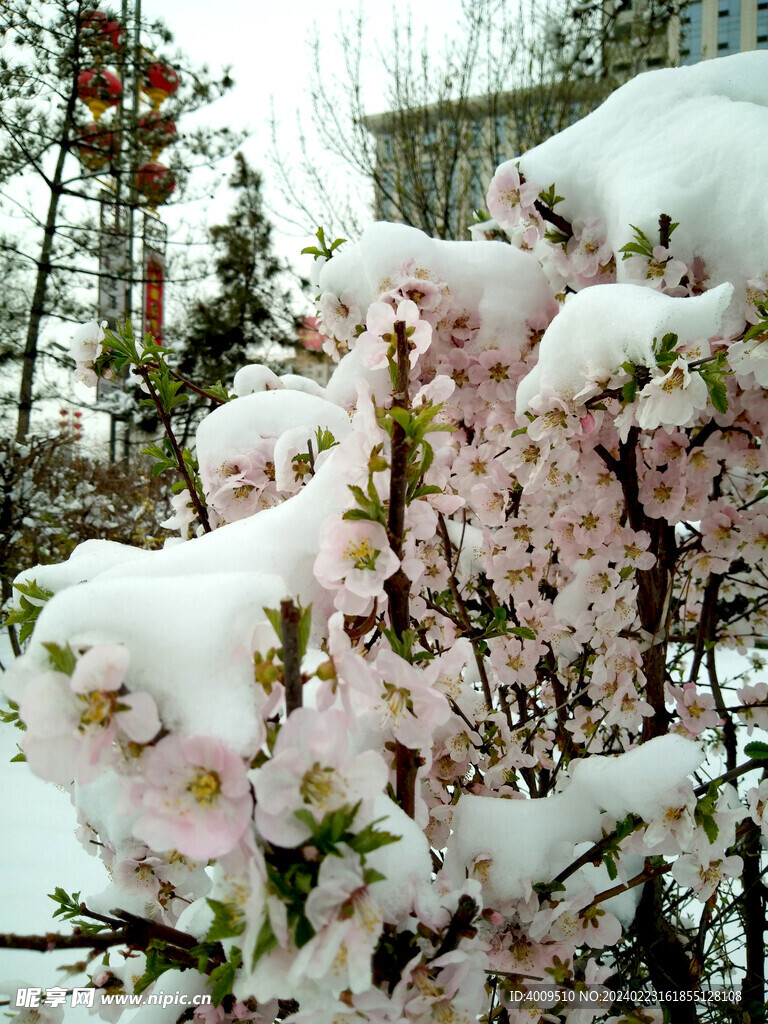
290	617
200	508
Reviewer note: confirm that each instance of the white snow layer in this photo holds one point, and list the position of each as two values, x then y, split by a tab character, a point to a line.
511	844
193	614
504	285
600	328
689	142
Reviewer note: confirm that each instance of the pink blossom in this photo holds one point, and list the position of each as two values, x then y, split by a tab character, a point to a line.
339	315
671	399
193	796
704	876
355	555
588	248
510	199
757	800
755	701
348	924
410	704
696	709
73	721
377	344
311	769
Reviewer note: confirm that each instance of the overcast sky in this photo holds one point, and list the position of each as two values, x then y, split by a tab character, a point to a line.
265	41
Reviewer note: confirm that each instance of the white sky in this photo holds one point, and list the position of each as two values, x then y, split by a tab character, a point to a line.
265	41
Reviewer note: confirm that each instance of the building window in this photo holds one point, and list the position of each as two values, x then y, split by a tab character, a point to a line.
476	185
477	134
501	132
728	26
762	25
690	42
387	148
387	191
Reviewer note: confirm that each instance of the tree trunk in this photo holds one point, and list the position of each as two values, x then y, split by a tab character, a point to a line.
29	359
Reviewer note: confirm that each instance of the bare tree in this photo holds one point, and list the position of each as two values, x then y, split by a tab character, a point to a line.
506	81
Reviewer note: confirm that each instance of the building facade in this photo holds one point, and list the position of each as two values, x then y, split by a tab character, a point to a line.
716	28
433	164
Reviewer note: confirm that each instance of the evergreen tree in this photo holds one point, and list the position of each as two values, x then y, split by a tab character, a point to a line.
48	45
249	315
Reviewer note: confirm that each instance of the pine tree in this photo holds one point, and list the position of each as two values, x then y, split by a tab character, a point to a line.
48	44
250	313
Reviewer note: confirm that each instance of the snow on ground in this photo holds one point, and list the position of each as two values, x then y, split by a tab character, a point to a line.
39	852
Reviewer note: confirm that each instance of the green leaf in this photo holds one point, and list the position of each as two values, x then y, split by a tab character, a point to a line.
228	921
265	942
31	600
641	246
610	865
69	905
709	825
61	658
305	627
11	716
523	632
322	249
756	330
668	342
223	976
757	750
550	197
370	838
718	392
325	440
273	614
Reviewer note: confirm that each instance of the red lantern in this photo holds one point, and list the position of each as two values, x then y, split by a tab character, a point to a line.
159	82
99	90
155	133
100	33
156	182
95	147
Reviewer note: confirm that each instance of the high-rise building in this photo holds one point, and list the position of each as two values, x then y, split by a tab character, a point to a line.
716	28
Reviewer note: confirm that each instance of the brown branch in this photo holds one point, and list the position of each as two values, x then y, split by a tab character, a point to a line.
53	940
398	586
202	514
664	953
289	629
462	611
753	902
593	854
188	384
553	218
665	226
460	926
729	776
639	879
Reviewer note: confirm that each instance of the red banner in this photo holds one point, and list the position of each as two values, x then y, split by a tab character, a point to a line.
153	298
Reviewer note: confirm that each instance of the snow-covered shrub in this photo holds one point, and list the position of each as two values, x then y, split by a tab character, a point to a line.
432	712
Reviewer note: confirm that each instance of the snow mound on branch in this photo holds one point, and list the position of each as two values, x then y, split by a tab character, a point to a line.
233	427
665	143
511	844
86	561
506	286
600	328
203	682
192	615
